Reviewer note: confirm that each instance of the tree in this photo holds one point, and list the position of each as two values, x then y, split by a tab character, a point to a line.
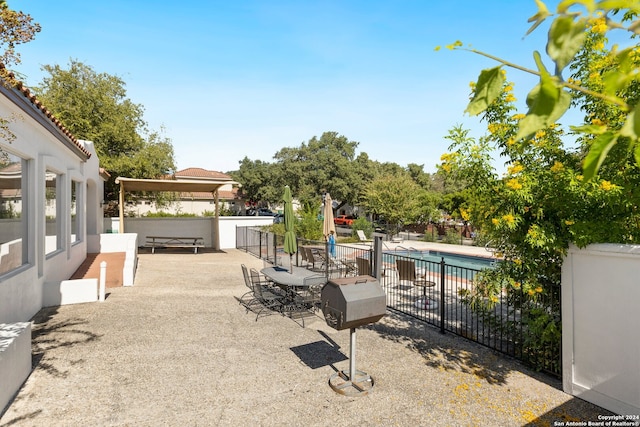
322	164
94	106
15	28
260	181
418	174
397	198
550	99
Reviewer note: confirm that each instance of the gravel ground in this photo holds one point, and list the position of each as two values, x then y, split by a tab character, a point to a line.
178	349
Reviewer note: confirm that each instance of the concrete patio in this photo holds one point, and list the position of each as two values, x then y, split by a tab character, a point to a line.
178	349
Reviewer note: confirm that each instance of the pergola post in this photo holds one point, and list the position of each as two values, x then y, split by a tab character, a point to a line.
216	223
121	209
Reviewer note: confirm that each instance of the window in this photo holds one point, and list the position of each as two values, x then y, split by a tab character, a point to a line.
75	223
52	213
13	218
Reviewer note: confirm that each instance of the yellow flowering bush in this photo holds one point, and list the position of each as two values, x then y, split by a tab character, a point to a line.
515	169
607	186
557	166
555	194
509	219
514	184
599	25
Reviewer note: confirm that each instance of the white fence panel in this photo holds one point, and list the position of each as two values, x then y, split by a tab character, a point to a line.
601	326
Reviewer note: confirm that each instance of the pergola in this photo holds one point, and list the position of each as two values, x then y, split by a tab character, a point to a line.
177	185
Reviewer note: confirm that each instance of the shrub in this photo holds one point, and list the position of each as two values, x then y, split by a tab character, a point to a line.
452	236
361	224
162	214
429	236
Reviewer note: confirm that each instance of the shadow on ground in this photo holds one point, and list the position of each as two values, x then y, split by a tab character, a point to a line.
449	352
452	353
48	334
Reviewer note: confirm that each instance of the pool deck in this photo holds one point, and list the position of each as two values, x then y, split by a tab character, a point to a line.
478	251
177	349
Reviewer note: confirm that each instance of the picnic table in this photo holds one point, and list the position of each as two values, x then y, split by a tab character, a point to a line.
174	242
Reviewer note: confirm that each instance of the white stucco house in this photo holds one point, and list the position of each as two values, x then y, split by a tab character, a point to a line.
51	188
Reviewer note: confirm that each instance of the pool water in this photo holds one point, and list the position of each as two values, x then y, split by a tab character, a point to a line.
456	260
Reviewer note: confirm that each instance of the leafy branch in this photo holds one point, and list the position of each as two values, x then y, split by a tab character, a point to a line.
549	100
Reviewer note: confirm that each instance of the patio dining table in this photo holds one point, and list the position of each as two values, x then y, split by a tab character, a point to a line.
286	278
299	285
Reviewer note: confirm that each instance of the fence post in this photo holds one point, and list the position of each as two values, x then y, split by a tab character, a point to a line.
377	257
442	299
275	250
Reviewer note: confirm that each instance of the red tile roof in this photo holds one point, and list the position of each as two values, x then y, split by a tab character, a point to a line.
201	173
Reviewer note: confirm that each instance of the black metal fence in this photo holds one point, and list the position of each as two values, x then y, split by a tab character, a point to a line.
438	291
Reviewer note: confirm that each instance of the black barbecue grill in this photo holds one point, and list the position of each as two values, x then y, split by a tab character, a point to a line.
348	303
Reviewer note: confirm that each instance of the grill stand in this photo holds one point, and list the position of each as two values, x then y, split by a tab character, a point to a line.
353	382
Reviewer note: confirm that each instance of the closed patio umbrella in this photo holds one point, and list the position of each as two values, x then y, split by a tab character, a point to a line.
328	224
290	245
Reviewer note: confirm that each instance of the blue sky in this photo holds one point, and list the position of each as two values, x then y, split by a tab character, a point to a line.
229	79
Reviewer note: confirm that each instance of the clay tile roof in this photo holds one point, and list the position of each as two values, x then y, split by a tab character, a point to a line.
201	173
20	87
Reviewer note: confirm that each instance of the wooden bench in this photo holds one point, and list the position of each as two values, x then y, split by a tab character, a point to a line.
154	242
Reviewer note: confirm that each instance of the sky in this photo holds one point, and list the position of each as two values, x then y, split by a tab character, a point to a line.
225	80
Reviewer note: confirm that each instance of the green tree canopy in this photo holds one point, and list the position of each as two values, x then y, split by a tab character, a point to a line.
259	180
94	106
398	199
324	164
571	41
15	28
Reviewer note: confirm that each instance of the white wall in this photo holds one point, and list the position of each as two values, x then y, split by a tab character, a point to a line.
601	326
186	227
21	289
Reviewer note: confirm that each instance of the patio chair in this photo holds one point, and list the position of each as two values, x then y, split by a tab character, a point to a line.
303	255
364	266
269	298
248	298
407	272
307	297
337	266
314	256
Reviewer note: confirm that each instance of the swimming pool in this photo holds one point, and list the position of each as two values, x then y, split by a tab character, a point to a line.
456	260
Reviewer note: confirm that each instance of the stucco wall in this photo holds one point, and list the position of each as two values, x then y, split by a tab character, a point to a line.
188	227
21	288
601	326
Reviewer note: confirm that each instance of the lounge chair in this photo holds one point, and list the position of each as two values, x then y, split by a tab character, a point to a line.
407	272
362	236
